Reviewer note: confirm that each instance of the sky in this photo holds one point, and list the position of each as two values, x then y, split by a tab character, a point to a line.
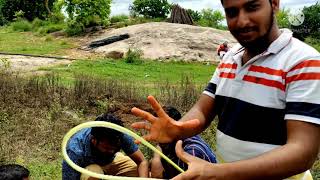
121	6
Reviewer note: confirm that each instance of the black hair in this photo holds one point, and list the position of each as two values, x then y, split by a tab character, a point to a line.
13	172
269	1
172	112
101	133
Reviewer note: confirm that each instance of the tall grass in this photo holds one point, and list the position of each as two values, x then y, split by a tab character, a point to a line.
36	112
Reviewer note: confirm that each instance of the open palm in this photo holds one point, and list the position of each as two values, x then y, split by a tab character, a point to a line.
162	129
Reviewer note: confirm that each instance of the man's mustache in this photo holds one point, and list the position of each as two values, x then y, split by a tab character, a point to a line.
245	30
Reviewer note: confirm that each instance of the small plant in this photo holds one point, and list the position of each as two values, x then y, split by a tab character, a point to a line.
6	63
133	56
19	15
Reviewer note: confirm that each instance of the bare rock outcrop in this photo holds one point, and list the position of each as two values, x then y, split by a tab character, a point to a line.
160	40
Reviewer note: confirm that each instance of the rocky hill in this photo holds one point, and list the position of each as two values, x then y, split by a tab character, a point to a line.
160	40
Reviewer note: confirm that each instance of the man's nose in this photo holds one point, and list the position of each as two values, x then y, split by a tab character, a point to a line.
243	19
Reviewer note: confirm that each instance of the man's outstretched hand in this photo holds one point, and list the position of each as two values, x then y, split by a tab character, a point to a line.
162	129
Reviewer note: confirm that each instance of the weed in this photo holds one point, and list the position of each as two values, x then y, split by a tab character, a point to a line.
133	56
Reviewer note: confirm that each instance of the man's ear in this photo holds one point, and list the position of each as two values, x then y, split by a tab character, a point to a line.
275	6
94	140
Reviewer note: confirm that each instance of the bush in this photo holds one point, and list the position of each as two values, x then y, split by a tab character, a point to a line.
37	23
150	8
311	24
51	28
56	18
119	18
74	29
21	26
133	56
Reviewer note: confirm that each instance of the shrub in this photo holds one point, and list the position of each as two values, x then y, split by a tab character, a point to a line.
133	56
21	26
51	28
37	23
74	29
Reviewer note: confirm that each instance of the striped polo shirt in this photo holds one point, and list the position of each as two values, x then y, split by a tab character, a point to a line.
253	101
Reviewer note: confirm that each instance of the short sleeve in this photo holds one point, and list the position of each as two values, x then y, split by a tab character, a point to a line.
128	145
303	91
210	90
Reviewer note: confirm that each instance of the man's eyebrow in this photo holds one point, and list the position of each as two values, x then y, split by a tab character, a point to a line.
249	2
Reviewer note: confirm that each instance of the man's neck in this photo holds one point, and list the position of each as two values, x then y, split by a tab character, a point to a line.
250	53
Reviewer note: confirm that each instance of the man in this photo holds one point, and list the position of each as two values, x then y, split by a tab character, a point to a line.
223	49
266	95
194	146
13	172
98	149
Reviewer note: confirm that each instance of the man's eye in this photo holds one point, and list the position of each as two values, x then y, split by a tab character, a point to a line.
252	7
231	13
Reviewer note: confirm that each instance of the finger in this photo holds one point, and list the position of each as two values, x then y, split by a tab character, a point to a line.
137	142
141	125
156	106
145	137
185	157
143	114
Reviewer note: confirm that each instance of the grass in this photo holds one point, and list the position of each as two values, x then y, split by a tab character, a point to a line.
29	43
147	72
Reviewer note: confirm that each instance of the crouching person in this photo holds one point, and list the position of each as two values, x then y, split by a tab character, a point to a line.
98	149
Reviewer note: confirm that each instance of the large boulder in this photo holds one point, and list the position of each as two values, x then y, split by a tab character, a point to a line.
160	40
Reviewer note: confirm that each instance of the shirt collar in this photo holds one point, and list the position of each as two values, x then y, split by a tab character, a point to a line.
281	42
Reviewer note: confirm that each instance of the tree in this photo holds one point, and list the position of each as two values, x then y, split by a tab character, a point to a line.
311	24
88	12
150	8
32	8
283	18
196	15
211	18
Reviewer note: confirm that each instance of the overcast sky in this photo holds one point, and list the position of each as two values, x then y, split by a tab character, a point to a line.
121	6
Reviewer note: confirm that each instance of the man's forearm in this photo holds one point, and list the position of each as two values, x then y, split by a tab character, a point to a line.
281	163
293	158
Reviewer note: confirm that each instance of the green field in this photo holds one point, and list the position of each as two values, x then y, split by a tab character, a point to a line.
30	43
146	72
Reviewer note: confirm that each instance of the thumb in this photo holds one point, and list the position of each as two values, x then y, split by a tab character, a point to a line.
185	157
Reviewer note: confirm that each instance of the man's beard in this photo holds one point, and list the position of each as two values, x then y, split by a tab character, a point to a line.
260	43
